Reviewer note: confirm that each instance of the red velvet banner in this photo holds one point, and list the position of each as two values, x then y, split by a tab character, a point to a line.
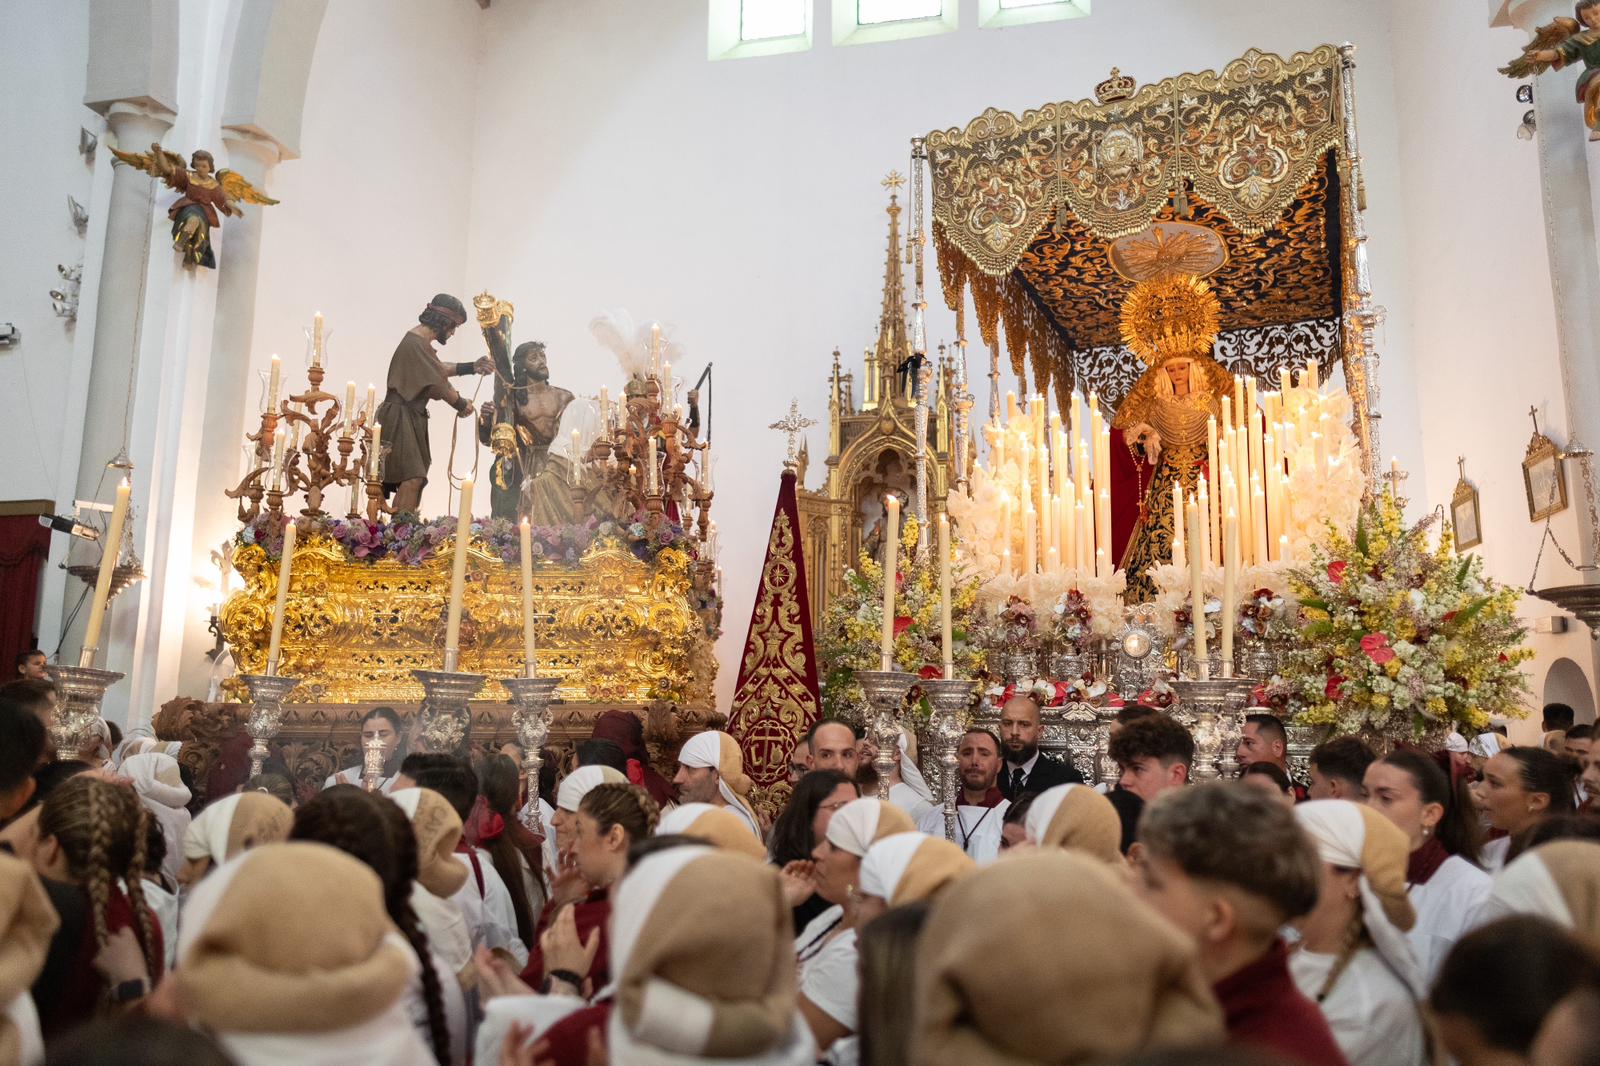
24	544
776	699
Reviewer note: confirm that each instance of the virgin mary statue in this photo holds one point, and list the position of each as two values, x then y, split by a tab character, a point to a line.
1170	323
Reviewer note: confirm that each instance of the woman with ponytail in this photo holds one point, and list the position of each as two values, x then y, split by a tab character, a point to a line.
372	829
514	851
1523	786
91	854
1443	881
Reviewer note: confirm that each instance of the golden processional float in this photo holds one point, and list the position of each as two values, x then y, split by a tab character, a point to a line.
1173	273
608	597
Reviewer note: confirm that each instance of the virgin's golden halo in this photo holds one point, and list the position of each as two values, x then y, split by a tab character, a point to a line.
1173	315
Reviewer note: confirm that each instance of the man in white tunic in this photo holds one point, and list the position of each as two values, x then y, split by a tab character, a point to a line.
711	770
980	807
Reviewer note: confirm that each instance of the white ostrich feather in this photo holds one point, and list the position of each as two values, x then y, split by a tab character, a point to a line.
630	341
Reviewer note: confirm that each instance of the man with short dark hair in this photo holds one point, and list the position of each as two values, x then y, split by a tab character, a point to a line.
1263	738
31	665
1557	716
1154	754
383	726
980	806
1580	738
1027	769
22	747
1338	767
833	745
1229	866
601	753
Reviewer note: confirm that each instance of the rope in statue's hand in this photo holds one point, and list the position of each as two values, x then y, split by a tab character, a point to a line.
451	477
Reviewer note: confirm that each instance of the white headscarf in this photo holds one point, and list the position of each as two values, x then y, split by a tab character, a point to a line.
156	778
139	740
634	899
1043	809
1338	828
1455	743
854	826
704	751
1487	745
1526	886
909	773
577	784
681	817
207	837
885	864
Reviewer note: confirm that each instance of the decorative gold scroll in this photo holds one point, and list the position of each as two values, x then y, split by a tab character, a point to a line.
1246	140
613	628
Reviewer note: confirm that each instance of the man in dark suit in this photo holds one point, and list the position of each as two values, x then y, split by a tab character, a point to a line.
1026	769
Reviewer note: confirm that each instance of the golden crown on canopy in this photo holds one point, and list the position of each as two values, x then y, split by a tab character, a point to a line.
1173	315
1117	87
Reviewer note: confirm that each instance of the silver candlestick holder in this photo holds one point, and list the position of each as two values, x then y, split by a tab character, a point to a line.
1105	768
267	693
372	764
886	691
445	718
1213	706
79	690
950	701
531	696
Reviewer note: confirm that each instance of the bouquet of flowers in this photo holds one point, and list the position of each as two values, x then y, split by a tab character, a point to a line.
1183	623
1074	620
853	624
1400	636
1264	614
1017	627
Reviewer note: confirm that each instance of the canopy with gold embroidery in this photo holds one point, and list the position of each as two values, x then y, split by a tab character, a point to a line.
1025	208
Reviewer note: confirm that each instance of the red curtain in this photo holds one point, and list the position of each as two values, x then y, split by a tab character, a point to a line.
24	544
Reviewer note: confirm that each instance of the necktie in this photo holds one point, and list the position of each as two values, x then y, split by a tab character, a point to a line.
1018	779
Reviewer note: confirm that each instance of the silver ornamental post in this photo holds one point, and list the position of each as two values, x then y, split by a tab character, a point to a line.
1213	705
532	697
445	717
950	700
886	691
267	693
79	690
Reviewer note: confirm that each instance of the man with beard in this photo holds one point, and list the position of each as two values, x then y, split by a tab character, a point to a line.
520	425
1027	769
1263	738
416	376
980	808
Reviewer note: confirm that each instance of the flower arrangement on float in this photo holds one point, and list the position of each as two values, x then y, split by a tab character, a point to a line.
1401	637
848	639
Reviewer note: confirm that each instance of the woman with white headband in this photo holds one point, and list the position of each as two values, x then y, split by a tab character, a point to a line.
826	949
704	966
1076	817
1559	881
1353	958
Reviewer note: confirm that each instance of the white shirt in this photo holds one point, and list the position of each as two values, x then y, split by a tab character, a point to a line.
453	1000
489	914
1492	855
1011	769
448	934
977	830
829	975
351	775
1447	909
907	799
1374	1019
24	1019
165	906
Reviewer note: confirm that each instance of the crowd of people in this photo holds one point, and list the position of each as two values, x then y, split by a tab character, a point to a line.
1392	910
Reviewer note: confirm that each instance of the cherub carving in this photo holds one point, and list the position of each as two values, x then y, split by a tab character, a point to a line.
1563	41
207	194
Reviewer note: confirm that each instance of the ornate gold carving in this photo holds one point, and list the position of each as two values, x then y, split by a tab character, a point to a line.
1168	248
613	628
1172	316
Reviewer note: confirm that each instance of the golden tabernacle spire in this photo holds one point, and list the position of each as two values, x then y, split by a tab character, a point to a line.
894	345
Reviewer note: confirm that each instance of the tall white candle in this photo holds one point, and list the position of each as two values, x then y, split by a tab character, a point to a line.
274	382
375	457
891	565
110	549
1179	559
948	656
316	339
1197	598
281	605
1030	548
651	467
458	577
372	400
1230	592
349	405
527	601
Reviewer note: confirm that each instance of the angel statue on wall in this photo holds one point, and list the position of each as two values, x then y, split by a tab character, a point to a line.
1563	41
206	191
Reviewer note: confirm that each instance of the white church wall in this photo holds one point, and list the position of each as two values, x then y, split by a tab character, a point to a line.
1478	301
373	220
739	200
43	57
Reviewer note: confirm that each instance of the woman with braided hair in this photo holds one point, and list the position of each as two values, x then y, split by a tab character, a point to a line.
91	856
374	830
1353	957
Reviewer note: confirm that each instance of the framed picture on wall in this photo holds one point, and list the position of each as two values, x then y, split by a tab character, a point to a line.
1465	518
1543	476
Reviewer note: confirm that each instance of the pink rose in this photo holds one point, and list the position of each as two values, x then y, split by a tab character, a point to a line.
1376	645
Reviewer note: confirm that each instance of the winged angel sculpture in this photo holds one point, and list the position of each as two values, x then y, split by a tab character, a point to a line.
207	194
1563	41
